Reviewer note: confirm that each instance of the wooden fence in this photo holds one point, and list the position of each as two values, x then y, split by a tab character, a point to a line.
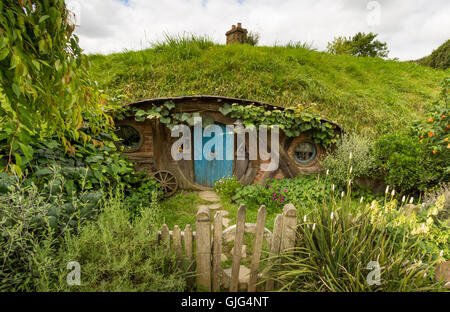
206	245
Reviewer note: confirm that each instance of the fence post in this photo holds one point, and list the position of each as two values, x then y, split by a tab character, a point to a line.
176	237
289	233
257	246
217	251
189	253
165	236
238	240
203	249
188	243
275	244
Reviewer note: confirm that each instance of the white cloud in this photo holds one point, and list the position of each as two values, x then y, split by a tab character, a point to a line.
412	29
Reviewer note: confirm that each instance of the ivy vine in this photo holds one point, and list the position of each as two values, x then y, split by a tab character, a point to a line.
292	121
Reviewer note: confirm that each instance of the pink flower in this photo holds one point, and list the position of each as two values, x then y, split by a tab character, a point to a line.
270	185
275	199
285	190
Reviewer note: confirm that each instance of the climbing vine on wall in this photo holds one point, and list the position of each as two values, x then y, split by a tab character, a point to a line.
292	121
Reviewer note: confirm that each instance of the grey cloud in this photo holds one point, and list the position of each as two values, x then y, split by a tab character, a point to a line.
412	29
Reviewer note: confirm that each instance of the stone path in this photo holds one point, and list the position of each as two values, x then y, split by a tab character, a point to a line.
209	196
212	197
244	272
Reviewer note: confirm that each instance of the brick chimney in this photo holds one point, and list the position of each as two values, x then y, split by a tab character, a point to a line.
236	34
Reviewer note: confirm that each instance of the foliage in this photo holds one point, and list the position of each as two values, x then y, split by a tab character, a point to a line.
43	76
114	254
300	45
439	58
301	191
403	162
227	187
292	121
340	45
252	38
140	196
338	241
22	217
340	167
184	47
360	44
435	133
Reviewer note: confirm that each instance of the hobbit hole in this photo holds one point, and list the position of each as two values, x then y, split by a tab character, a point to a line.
145	130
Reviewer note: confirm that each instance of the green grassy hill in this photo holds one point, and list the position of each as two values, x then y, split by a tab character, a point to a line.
439	58
368	95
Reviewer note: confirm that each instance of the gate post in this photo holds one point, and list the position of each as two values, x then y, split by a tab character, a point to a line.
203	246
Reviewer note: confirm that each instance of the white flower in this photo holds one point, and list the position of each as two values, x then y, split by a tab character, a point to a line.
328	171
350	156
314	226
331	217
403	198
393	193
361	200
304	219
411	200
332	187
387	189
349	181
441	253
351	169
342	194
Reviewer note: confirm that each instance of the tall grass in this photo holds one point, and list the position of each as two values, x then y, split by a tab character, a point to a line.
182	47
340	240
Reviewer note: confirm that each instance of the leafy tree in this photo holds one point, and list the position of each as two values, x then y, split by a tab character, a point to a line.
44	85
360	44
366	45
340	45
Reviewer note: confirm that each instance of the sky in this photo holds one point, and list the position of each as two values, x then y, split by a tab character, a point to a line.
411	28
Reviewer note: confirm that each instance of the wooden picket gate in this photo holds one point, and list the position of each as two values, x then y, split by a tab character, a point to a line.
205	244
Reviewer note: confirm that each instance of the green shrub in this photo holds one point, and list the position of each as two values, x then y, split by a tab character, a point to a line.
403	162
439	58
338	240
114	254
227	187
304	190
340	167
23	225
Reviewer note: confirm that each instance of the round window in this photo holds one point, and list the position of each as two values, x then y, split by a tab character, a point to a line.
305	152
130	138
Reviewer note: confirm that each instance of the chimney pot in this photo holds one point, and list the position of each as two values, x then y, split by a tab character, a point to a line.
233	27
239	25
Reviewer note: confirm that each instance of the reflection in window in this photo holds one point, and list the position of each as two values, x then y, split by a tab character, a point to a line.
305	152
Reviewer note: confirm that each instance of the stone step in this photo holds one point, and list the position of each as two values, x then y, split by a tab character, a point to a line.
244	276
209	196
